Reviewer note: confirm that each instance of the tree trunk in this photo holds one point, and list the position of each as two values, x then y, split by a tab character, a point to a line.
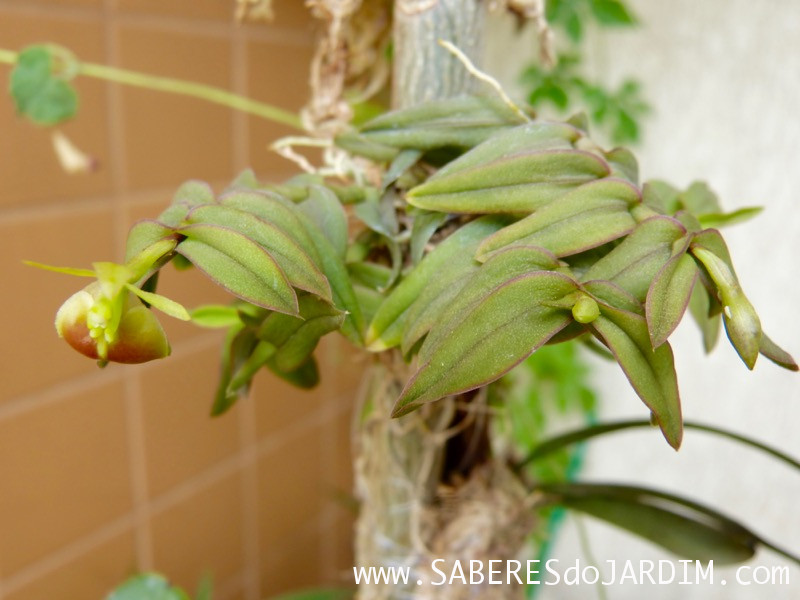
427	484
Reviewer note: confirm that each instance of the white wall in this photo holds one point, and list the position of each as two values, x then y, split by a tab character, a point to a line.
723	77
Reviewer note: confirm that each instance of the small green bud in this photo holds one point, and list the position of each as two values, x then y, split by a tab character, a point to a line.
585	309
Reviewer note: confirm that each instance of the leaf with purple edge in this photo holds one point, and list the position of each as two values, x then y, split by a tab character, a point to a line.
521	183
668	296
740	318
292	258
505	327
776	354
239	265
650	371
587	217
634	263
699	308
443	303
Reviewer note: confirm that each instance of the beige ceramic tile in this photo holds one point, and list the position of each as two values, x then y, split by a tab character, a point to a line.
294	567
181	440
279	405
290	494
278	75
342	560
201	535
290	14
44	5
32	355
29	171
170	138
65	473
89	575
220	10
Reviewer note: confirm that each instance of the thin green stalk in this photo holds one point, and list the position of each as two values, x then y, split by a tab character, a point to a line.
180	87
585	433
586	546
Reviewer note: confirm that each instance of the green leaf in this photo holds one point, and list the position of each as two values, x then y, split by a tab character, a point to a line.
293	259
145	234
503	328
386	329
334	269
534	136
669	296
243	376
612	13
740	318
402	163
719	219
148	586
634	263
318	594
162	303
424	226
65	270
236	348
559	442
325	211
193	193
214	316
613	295
239	265
699	308
304	377
662	196
682	527
699	199
623	164
273	208
519	183
296	338
776	354
587	217
39	85
650	371
441	314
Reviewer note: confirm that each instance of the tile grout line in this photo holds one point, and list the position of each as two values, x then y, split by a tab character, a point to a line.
91	541
251	584
249	473
90	381
67	553
137	457
179	493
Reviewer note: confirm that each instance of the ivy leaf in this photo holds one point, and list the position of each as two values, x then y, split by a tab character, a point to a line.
612	13
148	586
39	88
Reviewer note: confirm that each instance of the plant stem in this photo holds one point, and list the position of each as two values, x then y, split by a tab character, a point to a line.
178	86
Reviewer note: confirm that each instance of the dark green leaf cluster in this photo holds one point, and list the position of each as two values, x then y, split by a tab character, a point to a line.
571	16
564	87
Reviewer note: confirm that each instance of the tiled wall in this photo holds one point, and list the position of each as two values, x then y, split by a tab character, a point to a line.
106	471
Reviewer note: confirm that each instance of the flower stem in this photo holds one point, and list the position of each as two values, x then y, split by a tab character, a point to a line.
180	87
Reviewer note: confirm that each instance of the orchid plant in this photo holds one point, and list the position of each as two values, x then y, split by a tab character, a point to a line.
460	236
